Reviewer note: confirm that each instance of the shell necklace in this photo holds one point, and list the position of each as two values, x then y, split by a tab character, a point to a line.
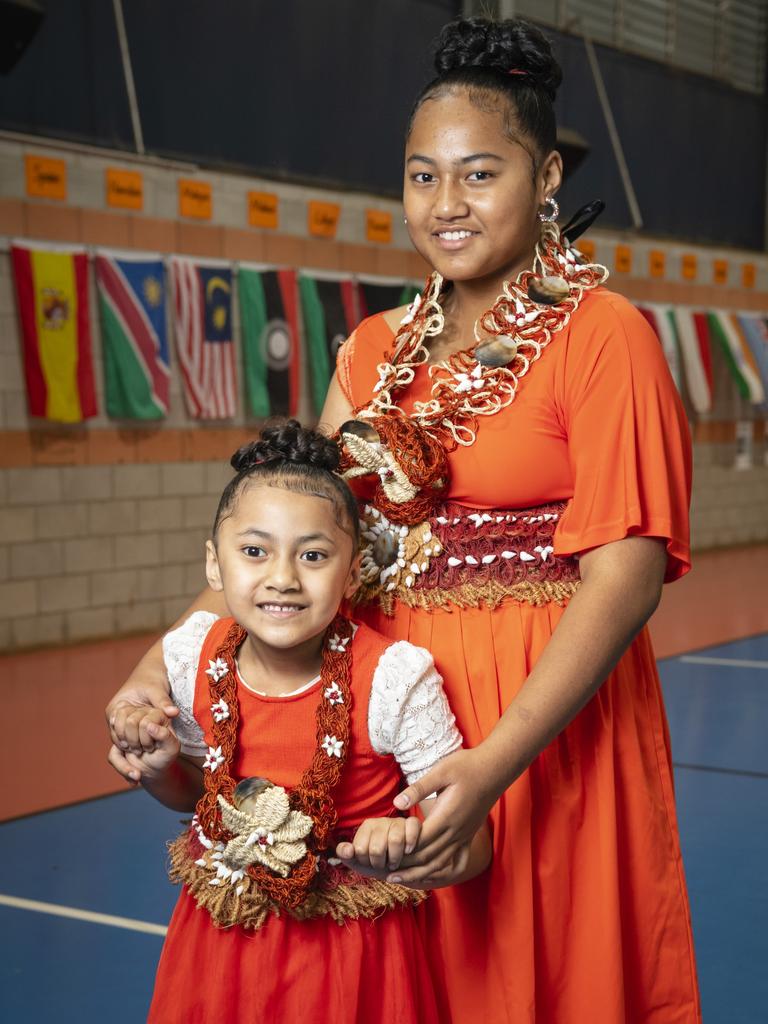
483	379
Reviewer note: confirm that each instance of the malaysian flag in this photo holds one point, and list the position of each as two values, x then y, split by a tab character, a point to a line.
202	298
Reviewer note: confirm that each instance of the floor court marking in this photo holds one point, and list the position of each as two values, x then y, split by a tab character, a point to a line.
720	771
57	910
700	659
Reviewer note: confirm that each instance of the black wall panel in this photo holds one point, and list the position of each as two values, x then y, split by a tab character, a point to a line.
320	91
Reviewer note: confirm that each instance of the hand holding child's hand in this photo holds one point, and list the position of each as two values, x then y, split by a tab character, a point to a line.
158	743
379	845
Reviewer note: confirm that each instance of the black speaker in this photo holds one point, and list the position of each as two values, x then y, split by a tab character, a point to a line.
19	21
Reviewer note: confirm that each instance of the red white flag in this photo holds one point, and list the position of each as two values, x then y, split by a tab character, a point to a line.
202	300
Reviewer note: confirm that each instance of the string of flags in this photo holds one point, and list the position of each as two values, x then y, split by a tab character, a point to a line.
291	324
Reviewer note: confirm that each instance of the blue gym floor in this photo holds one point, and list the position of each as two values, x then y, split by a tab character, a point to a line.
106	857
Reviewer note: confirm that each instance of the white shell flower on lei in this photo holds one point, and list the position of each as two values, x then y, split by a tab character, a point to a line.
332	746
220	710
469	381
412	311
336	643
333	694
217	670
214	759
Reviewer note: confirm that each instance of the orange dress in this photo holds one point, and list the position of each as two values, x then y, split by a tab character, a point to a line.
583	916
362	971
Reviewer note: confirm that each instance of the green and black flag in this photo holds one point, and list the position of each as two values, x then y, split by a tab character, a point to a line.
269	318
331	311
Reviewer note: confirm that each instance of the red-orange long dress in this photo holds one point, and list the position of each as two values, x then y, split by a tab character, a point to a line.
583	917
364	971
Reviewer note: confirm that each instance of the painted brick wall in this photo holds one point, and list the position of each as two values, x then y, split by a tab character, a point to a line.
102	526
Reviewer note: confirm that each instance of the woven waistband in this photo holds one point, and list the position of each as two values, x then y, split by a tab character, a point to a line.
233	898
466	558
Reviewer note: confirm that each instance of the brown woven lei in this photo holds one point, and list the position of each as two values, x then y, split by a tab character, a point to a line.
317	886
313	795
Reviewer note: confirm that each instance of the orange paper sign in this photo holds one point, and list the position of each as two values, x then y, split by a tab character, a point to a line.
322	218
195	199
748	275
623	259
587	248
125	189
688	266
262	209
46	177
720	271
378	226
657	262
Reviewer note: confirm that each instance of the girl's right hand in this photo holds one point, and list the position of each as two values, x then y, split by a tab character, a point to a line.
127	709
380	844
159	746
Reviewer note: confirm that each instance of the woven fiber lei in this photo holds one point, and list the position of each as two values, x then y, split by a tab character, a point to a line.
462	388
313	795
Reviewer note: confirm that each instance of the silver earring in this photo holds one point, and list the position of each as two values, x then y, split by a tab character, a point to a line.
554	212
405	220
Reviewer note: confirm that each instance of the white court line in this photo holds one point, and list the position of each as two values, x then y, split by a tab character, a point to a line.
83	915
700	659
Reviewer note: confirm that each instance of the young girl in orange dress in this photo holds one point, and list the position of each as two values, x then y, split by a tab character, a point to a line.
319	720
522	415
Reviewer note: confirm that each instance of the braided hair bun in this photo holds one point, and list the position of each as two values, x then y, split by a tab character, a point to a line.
509	60
288	442
513	46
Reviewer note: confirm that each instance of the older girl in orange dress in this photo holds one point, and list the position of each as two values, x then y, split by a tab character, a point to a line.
523	463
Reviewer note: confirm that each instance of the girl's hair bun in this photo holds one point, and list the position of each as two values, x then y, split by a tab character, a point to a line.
288	442
511	47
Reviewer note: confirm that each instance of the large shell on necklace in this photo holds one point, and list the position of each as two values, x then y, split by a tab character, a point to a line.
360	429
548	290
496	352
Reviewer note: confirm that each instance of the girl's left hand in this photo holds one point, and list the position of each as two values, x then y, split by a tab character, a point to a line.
467	787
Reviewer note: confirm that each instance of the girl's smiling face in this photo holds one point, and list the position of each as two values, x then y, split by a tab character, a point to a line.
283	563
472	192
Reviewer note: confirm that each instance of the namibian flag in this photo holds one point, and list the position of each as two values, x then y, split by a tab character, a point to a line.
133	326
331	309
52	292
269	322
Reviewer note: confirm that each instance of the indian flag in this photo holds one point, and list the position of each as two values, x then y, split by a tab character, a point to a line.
727	332
52	295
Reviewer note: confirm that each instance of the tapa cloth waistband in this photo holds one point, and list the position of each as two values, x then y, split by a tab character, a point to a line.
466	558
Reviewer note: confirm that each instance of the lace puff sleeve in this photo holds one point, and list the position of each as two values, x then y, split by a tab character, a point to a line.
408	714
181	651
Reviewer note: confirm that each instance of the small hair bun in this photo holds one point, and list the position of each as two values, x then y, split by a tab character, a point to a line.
513	45
288	442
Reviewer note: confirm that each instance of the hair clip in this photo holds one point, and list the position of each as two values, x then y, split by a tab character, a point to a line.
516	71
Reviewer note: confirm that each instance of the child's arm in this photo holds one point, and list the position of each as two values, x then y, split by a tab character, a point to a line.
409	717
173	778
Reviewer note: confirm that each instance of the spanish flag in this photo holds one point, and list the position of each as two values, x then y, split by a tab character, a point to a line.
52	293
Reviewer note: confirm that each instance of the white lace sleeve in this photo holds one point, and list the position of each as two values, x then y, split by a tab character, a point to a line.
181	651
408	714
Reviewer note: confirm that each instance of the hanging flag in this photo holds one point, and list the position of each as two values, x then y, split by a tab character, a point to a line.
331	311
662	321
741	362
755	329
134	338
52	293
202	298
269	319
379	296
693	334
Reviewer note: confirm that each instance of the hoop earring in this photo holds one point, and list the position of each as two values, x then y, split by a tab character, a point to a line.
554	211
